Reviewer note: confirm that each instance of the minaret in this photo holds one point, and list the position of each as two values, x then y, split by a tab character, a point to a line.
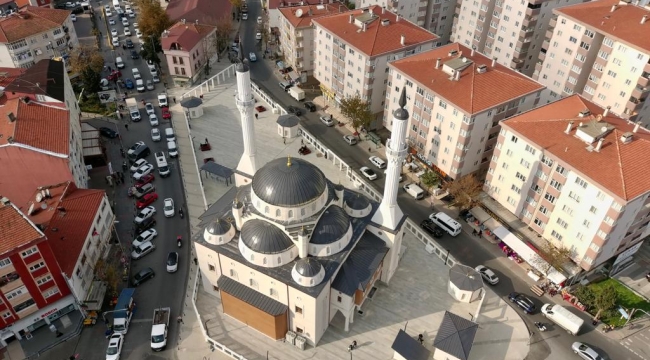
245	104
389	214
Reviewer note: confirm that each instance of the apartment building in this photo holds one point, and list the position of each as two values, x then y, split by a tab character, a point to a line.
457	98
510	31
297	34
33	34
597	50
188	47
354	48
570	170
414	11
33	292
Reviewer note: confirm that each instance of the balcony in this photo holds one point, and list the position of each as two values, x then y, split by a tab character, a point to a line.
8	281
639	92
23	58
299	35
644	80
646	68
552	22
516	64
545	44
59	35
299	45
530	21
533	12
18	47
633	105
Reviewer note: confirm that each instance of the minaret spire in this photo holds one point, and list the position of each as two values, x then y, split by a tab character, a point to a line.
389	214
245	103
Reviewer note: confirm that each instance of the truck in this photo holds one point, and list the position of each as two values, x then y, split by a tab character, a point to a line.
123	311
163	167
563	317
132	105
159	328
297	93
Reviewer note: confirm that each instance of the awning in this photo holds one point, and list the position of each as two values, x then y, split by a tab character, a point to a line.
480	215
492	224
294	76
529	255
95	297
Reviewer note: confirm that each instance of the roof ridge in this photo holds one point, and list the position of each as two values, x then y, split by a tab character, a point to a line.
471	92
376	37
620	164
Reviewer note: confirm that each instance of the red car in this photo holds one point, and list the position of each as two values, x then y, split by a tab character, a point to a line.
114	75
146	200
166	114
144	180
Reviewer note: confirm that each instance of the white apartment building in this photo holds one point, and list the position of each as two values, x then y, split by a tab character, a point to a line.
597	50
414	11
33	34
297	33
510	31
457	98
571	171
354	48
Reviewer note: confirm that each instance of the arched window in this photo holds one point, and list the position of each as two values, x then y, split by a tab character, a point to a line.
290	214
313	206
279	260
266	210
264	261
277	213
311	281
328	250
302	211
252	257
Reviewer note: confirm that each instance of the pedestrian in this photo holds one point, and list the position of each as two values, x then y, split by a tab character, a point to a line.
421	339
179	320
126	126
256	116
302	141
369	149
122	176
174	98
284	140
474	232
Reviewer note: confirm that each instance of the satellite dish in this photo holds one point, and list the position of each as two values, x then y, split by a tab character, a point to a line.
39	197
299	13
43	206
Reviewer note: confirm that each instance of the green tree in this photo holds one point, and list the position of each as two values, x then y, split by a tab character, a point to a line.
90	79
153	19
430	179
150	50
552	257
465	191
605	299
358	111
585	294
83	57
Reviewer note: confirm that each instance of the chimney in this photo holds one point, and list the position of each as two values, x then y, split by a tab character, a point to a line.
238	213
643	19
636	127
383	10
600	144
613	8
457	75
339	190
472	53
11	116
606	111
363	27
402	40
309	12
351	18
494	61
196	21
568	128
438	63
183	21
397	18
303	243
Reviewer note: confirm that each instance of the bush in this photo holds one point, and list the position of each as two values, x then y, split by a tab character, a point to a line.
91	104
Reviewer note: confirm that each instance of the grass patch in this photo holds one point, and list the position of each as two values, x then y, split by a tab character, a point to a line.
91	104
626	298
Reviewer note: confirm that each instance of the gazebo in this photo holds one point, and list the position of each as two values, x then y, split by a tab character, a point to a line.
193	106
465	283
288	125
217	171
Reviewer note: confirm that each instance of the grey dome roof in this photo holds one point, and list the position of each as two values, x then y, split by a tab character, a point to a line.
465	278
288	120
264	237
218	227
357	202
331	226
289	182
308	267
191	102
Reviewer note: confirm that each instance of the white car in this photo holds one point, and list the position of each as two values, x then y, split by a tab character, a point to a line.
125	22
153	120
139	85
155	134
168	207
73	17
144	214
258	36
172	262
138	164
142	250
585	351
116	42
350	139
149	108
142	171
136	73
127	32
114	33
377	161
107	7
259	20
327	120
244	16
368	173
109	13
135	25
252	57
147	235
130	13
138	33
111	21
488	275
114	348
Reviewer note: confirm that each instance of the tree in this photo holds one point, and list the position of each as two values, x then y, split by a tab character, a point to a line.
83	57
236	4
150	50
153	19
358	111
222	35
430	179
552	257
464	190
90	79
605	299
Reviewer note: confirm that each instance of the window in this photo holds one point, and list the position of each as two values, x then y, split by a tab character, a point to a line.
543	209
547	161
515	189
339	298
273	292
36	266
562	223
556	185
253	283
573	39
51	292
556	235
567	210
601	234
574	196
525	163
539	223
594	247
586	223
581	182
211	267
521	177
549	197
43	280
530	149
16	292
560	169
5	262
298	310
29	252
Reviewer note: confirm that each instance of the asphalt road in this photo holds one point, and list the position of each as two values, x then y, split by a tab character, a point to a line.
165	289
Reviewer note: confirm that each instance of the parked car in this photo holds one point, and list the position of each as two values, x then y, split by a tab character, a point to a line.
155	79
146	200
134	54
328	120
310	106
155	134
114	33
138	164
128	83
143	170
142	276
525	303
488	275
115	42
143	249
147	235
114	349
166	114
585	351
172	262
108	132
350	139
377	161
258	36
432	228
145	180
73	17
149	108
259	20
153	120
138	33
114	75
127	32
129	43
150	85
146	224
111	21
168	207
144	214
294	110
252	57
368	173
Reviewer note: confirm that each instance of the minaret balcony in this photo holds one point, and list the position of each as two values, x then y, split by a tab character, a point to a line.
396	153
245	103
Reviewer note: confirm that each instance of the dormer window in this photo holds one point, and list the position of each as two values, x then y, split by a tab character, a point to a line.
175	46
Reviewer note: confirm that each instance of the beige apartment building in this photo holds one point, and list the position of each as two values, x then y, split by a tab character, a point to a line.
570	170
600	50
354	48
510	31
457	98
297	34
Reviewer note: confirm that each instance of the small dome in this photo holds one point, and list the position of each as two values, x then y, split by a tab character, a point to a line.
218	232
218	227
331	226
308	272
264	237
288	120
357	202
289	182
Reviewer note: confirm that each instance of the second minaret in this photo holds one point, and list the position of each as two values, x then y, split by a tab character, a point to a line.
245	103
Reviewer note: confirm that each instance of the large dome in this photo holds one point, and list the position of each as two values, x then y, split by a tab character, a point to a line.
289	182
264	237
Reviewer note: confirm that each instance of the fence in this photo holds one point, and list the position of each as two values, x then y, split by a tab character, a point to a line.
205	86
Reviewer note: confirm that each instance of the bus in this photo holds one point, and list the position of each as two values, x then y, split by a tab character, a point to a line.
446	223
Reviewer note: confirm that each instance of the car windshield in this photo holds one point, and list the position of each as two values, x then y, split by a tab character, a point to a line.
157	338
168	206
370	172
112	350
171	260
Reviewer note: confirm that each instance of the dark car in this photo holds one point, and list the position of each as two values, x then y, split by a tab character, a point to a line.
142	276
108	132
128	83
310	106
522	301
134	54
145	224
129	43
294	110
432	228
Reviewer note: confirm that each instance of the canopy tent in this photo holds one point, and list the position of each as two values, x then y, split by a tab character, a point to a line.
480	215
528	254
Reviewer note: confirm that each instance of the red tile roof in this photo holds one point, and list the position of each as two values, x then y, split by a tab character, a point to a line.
67	230
620	168
276	4
623	24
15	229
8	75
50	197
30	21
308	13
377	39
207	12
186	35
473	92
35	125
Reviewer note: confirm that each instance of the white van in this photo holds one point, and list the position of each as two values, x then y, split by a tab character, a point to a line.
136	73
172	148
116	3
447	224
163	167
169	134
119	63
563	317
377	161
414	190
